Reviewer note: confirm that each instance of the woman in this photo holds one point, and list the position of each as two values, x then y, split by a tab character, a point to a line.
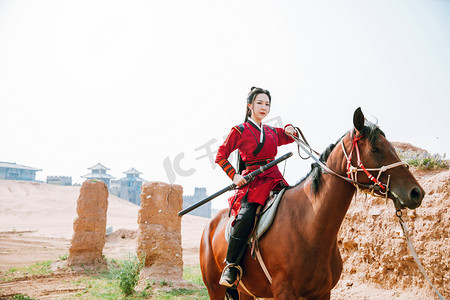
257	144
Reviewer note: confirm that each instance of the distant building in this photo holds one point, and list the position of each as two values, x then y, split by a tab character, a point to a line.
114	187
99	172
199	194
59	180
129	187
13	171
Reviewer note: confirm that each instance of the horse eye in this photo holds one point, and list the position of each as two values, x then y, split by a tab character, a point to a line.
375	149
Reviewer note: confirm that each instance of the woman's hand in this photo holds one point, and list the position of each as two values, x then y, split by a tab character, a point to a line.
290	130
239	180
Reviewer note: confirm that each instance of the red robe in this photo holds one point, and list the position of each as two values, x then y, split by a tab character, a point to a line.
246	138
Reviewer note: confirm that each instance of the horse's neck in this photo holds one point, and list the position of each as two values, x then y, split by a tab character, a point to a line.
335	195
330	204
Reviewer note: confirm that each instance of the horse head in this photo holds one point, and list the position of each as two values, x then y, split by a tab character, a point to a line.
373	161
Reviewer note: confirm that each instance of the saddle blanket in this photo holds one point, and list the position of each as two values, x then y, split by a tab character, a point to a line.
266	219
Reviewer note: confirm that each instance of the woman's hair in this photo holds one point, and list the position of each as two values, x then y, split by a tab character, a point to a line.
254	91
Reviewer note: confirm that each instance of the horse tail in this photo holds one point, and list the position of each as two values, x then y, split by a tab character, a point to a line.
232	294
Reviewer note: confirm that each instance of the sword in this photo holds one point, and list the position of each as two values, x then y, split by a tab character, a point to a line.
232	186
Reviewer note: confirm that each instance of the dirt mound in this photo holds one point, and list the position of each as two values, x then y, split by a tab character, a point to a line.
374	249
408	147
121	235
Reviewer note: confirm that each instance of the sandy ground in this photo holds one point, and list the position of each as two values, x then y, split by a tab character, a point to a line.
36	225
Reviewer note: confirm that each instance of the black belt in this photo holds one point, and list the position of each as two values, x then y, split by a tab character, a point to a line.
258	163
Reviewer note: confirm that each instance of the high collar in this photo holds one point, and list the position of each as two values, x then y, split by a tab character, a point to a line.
256	124
260	128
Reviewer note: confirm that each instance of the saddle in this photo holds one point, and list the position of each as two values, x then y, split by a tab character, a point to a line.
263	222
264	219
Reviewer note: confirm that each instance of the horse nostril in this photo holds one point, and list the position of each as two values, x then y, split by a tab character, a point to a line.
415	195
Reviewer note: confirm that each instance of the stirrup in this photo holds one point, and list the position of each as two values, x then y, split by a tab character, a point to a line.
238	276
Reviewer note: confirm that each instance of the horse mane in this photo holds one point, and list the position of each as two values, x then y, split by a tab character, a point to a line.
372	131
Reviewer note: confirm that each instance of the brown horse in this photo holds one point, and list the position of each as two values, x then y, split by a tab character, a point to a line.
300	248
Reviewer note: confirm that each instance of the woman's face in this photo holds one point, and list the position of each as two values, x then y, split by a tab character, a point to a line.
260	107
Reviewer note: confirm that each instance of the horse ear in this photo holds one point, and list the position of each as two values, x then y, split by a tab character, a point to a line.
358	119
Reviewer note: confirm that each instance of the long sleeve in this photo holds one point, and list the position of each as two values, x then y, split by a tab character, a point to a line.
283	138
224	151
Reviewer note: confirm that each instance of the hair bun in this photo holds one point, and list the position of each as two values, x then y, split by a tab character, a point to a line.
257	90
252	89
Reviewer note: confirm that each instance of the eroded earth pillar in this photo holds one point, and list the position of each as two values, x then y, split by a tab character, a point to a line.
159	234
89	227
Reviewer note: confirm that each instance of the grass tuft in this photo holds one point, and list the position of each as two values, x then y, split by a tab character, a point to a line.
22	297
40	268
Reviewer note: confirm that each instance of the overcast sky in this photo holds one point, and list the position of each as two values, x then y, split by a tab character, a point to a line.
157	85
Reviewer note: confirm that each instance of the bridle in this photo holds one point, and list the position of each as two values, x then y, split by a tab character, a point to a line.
352	171
377	189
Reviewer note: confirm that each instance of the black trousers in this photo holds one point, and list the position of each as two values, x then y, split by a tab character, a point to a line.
245	220
241	230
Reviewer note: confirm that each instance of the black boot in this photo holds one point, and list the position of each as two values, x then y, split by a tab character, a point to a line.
236	248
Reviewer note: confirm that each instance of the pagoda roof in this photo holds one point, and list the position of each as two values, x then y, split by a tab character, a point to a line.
98	176
98	166
132	171
9	165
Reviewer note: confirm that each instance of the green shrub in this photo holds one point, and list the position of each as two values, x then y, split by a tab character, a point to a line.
423	160
128	274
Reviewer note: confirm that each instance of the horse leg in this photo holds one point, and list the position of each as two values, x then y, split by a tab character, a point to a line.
215	291
211	275
210	272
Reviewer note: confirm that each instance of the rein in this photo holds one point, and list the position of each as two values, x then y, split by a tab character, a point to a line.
351	170
414	253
